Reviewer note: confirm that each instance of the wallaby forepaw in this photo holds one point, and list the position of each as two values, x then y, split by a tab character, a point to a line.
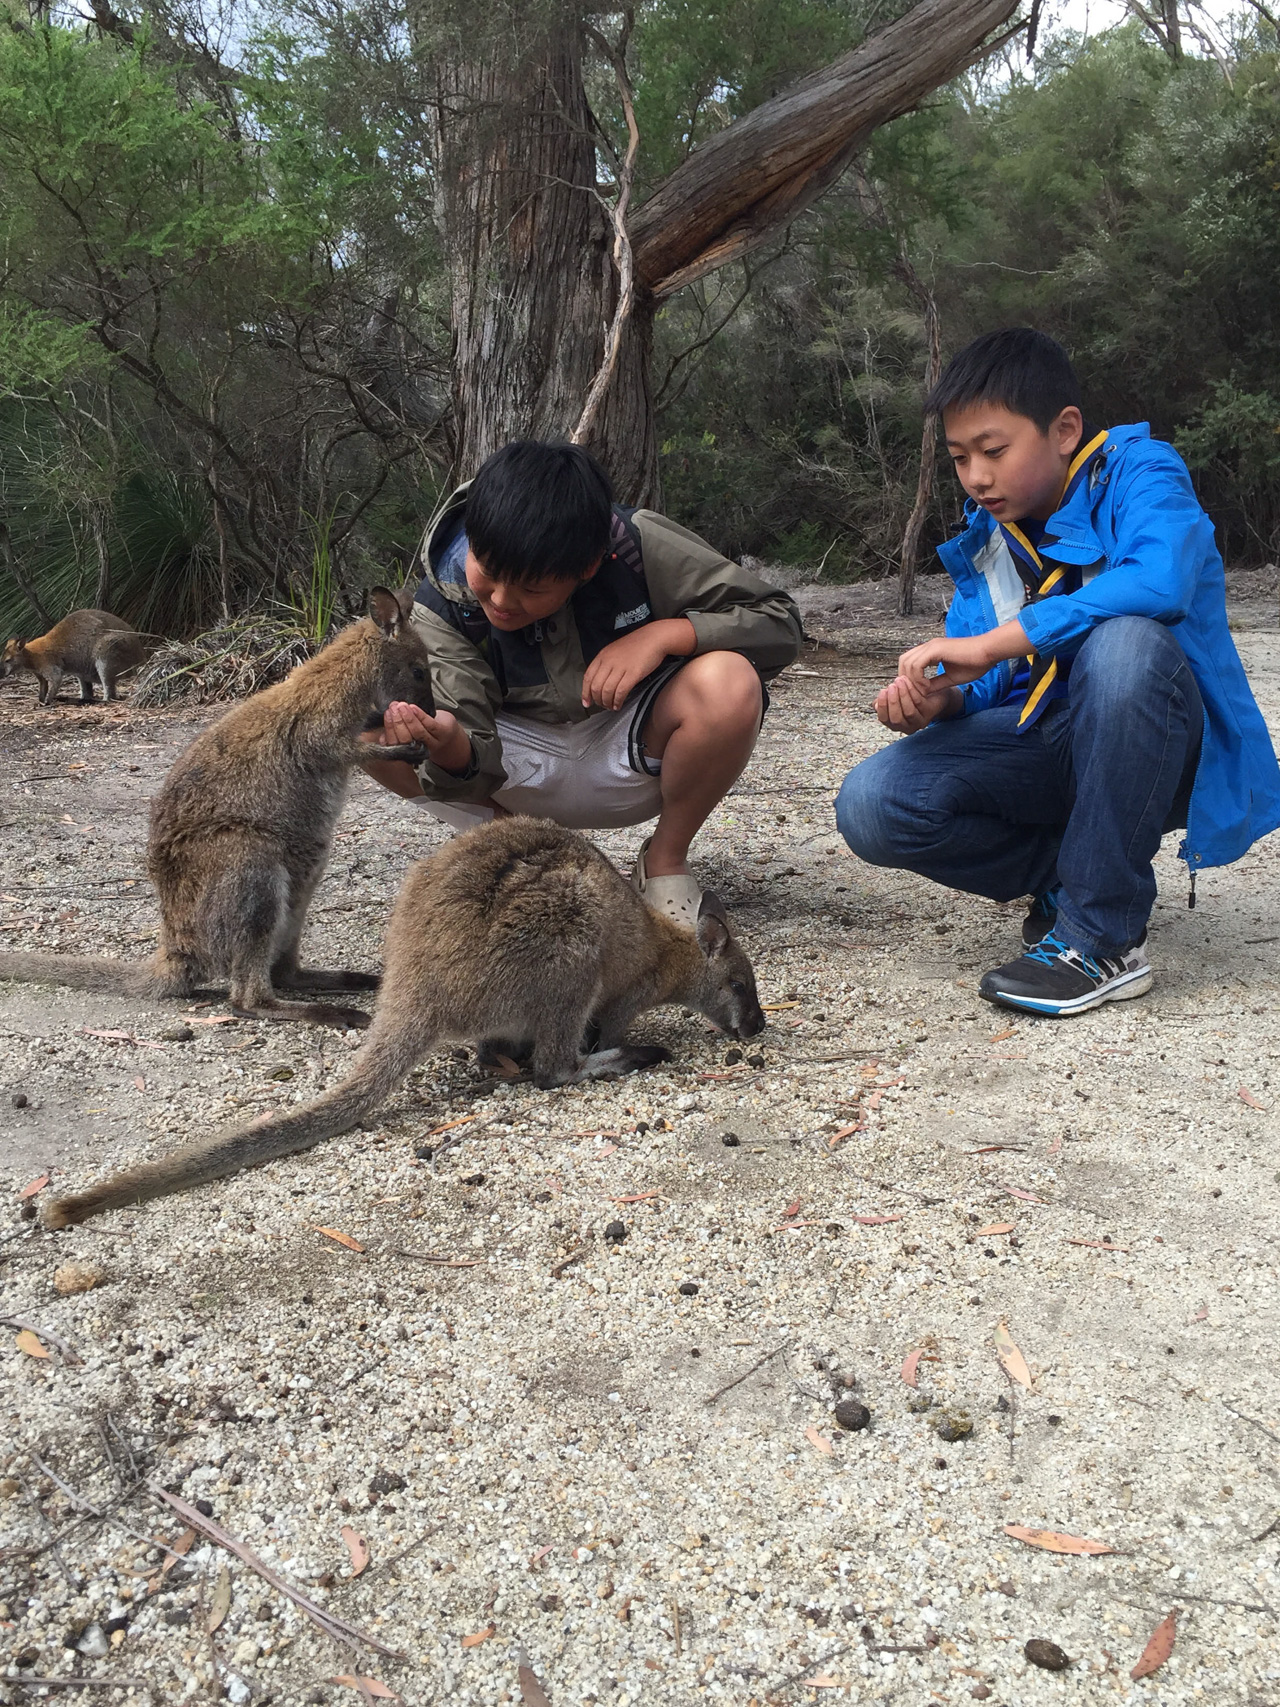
627	1058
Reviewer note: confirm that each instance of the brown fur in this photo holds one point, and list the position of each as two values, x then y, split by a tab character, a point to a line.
242	825
519	935
90	644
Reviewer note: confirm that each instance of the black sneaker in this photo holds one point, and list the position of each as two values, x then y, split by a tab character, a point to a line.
1056	980
1041	917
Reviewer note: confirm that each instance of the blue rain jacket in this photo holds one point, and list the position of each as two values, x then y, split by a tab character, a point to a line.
1146	548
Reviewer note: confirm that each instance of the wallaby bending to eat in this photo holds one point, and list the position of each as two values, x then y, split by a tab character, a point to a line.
90	644
518	935
242	825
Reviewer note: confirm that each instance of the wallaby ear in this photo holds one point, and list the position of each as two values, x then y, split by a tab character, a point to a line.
404	598
712	927
384	608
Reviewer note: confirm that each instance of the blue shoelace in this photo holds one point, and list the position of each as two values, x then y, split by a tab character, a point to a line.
1051	947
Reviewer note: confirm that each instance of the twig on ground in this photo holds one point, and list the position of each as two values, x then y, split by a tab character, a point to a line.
67	1352
739	1379
333	1626
52	1547
1270	1433
404	1552
558	1268
96	1511
675	1626
441	1262
80	1683
1269	1530
888	1185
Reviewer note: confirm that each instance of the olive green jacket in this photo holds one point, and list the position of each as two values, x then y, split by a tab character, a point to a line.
656	570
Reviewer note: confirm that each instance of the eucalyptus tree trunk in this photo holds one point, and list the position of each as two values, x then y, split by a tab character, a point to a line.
528	245
528	241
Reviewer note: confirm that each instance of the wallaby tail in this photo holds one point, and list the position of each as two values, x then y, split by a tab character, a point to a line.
376	1073
80	972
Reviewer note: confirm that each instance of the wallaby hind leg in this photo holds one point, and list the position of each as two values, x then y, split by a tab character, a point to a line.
286	974
625	1058
250	915
86	690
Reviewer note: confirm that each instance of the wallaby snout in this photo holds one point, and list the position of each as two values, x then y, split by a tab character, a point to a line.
405	672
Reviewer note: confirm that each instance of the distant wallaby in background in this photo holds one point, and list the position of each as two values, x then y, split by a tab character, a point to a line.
90	644
242	824
518	935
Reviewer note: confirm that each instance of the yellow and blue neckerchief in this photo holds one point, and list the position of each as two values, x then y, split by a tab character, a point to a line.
1045	680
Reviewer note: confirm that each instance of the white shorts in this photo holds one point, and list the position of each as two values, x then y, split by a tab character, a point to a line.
592	775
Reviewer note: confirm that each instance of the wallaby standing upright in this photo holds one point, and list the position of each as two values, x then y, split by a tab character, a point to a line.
242	825
90	644
518	935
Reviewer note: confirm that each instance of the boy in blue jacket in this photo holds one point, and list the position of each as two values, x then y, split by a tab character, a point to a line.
1087	696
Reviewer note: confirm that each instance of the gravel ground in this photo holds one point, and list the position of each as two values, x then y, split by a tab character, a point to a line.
622	1480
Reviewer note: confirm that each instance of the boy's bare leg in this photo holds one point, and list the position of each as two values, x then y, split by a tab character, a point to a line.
703	727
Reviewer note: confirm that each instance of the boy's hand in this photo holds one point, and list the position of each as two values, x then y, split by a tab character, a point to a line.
447	742
904	708
614	672
964	660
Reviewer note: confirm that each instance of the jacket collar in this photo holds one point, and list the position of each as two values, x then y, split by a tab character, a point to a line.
1070	529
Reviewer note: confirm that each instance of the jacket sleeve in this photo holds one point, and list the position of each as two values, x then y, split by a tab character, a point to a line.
731	609
1161	538
965	618
463	683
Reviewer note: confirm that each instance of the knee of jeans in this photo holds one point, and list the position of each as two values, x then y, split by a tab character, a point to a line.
859	816
1126	655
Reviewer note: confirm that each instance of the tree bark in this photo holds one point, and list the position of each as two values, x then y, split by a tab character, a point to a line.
531	275
767	167
533	283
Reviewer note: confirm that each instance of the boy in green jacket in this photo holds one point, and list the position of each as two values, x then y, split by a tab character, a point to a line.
592	664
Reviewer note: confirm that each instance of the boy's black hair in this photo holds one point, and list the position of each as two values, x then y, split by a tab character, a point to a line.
536	510
1025	370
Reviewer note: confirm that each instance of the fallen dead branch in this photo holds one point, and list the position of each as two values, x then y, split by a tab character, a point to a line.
332	1625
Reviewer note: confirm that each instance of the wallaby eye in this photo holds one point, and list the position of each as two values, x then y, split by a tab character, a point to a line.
419	674
737	986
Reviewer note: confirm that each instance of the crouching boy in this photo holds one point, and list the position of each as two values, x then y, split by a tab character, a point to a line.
592	664
1087	696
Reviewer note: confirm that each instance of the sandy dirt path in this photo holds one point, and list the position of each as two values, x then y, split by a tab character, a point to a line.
552	1465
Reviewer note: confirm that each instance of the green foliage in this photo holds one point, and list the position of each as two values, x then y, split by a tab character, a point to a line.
1126	204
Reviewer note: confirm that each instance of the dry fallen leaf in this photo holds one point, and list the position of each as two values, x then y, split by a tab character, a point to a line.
778	1007
994	1230
876	1220
532	1694
1248	1096
1056	1147
449	1125
539	1553
1025	1196
35	1186
358	1548
371	1686
340	1238
1054	1542
608	1150
822	1681
910	1367
215	1019
1158	1649
842	1134
1202	1314
1003	1036
819	1440
221	1603
636	1197
479	1636
506	1067
1011	1359
792	1209
31	1344
139	1081
1098	1245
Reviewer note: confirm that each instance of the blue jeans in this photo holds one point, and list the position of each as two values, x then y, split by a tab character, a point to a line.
1082	798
